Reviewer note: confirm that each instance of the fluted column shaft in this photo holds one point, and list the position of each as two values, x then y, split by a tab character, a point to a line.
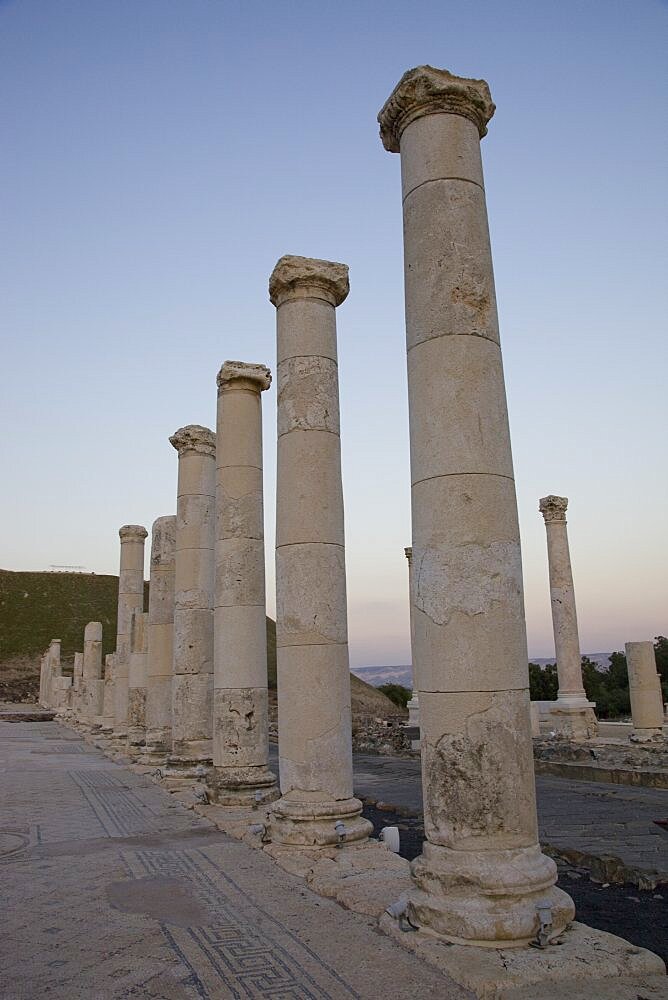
192	683
481	872
315	755
160	658
240	703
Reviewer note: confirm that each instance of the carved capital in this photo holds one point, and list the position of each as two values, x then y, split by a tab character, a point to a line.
194	438
429	91
295	276
408	552
242	375
553	508
132	532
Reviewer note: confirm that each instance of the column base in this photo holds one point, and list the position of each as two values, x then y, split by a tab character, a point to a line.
300	823
645	735
186	769
574	719
486	898
241	786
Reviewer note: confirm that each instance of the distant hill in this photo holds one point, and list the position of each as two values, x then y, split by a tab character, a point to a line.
386	675
38	607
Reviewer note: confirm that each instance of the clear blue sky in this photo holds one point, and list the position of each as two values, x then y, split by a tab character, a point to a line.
159	156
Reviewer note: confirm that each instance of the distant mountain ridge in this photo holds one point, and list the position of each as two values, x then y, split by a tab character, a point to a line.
404	674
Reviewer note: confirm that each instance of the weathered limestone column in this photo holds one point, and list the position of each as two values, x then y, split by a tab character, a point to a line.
573	714
240	773
77	685
413	705
93	685
137	680
130	599
311	619
54	673
192	684
160	663
106	720
645	691
43	681
481	872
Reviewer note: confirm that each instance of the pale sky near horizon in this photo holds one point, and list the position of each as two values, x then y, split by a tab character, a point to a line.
160	156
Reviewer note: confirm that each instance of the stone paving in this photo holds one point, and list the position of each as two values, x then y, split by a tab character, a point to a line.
111	889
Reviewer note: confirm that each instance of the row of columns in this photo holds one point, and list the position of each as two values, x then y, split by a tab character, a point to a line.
481	875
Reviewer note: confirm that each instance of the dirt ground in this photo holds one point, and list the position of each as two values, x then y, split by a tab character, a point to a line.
19	679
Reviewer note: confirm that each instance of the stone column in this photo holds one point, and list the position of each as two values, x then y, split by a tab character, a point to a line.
43	681
137	680
159	667
130	599
192	684
311	620
413	705
54	672
77	685
481	873
573	714
645	691
106	720
93	685
240	773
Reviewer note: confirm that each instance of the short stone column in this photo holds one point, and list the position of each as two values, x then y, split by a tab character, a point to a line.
92	683
481	873
43	681
573	714
159	668
106	720
314	718
137	680
413	705
192	683
130	599
644	691
240	773
54	672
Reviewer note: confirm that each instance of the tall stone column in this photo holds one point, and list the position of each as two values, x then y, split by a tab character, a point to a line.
644	691
77	685
159	668
413	705
192	683
93	685
106	720
314	719
137	680
573	714
240	773
130	599
481	873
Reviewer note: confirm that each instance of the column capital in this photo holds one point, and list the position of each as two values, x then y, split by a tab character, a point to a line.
408	552
553	508
426	90
196	438
134	532
255	377
294	276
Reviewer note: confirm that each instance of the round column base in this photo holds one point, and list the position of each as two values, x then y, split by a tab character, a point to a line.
645	735
184	767
486	898
241	786
573	720
297	823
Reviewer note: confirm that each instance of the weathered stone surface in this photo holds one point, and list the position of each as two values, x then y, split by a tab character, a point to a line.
645	691
192	684
425	91
311	616
240	703
468	628
159	665
130	600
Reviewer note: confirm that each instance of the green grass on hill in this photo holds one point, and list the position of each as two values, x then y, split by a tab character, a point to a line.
38	607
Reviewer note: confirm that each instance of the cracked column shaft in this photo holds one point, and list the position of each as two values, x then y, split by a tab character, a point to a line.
160	665
93	685
240	773
481	872
192	684
311	622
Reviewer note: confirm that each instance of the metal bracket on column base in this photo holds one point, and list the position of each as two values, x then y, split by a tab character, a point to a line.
298	823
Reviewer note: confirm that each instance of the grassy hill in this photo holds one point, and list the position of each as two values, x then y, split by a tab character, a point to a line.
38	607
